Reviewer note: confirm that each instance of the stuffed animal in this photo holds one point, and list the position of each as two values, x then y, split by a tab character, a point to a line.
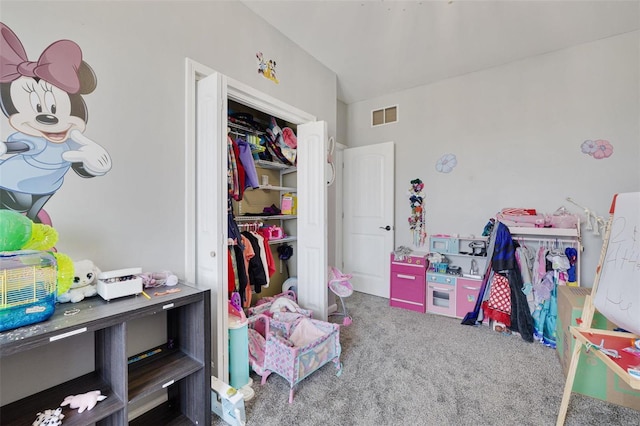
283	304
85	279
85	401
49	418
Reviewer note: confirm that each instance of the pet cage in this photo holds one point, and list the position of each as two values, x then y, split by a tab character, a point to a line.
27	287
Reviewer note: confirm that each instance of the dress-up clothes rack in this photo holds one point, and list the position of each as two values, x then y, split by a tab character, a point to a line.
552	238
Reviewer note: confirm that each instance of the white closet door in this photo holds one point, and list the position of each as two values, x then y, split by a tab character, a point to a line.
211	212
312	218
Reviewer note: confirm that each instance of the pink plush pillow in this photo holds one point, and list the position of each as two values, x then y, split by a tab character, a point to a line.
289	138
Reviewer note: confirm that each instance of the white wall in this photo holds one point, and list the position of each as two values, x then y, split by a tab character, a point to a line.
135	215
516	131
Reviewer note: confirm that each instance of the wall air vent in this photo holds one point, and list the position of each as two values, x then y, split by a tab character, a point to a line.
384	116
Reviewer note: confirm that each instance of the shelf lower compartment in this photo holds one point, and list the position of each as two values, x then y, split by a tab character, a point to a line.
167	414
162	371
23	411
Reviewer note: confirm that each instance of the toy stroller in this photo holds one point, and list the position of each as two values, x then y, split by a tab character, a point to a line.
340	285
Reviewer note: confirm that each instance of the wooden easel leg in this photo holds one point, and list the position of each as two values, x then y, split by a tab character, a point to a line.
568	385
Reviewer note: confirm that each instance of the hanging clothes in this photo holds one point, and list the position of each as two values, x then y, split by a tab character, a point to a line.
498	306
271	265
504	262
525	258
231	276
545	315
572	256
236	172
240	271
264	248
233	230
249	166
248	255
233	178
256	269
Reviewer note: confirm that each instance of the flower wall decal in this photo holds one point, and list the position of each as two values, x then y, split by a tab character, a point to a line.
446	163
598	149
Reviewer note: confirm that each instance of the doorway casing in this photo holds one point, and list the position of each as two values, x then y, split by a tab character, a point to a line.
205	185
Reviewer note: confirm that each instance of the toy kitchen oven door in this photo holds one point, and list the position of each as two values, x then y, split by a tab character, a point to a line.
441	294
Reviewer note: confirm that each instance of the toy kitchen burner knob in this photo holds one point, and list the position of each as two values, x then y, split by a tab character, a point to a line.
119	283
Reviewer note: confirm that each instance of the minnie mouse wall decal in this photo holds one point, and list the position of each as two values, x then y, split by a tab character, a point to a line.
43	102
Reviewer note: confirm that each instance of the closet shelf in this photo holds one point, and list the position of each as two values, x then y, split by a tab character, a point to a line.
282	240
275	188
274	166
263	218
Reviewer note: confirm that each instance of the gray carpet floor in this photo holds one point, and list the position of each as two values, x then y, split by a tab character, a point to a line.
402	367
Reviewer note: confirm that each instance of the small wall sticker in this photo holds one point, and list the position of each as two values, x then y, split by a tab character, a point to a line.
267	68
598	149
446	163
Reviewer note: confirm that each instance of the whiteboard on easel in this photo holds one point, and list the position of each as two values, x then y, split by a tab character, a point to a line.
618	292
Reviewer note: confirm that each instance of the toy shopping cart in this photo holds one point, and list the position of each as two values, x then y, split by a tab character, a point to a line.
340	285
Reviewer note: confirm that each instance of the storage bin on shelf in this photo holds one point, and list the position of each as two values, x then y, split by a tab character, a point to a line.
289	203
440	267
28	281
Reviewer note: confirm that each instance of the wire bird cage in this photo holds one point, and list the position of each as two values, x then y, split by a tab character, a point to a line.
27	288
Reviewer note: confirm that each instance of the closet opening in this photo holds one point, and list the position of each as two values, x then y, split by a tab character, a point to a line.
265	207
210	96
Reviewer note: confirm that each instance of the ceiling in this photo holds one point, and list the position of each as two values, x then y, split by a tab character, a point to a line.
378	47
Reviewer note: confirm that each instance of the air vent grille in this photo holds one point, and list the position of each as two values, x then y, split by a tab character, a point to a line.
384	115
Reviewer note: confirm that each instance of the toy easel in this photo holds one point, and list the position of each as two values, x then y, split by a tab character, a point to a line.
604	343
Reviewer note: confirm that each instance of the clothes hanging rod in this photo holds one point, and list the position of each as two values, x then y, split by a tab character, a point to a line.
250	226
560	239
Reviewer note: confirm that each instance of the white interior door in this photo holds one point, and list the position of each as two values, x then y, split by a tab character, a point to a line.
211	207
369	216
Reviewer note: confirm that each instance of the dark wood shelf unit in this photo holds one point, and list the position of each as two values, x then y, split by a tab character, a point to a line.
184	370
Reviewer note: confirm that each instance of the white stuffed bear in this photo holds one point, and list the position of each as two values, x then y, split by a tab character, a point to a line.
85	279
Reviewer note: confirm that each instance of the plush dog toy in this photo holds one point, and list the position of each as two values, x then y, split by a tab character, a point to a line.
85	279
